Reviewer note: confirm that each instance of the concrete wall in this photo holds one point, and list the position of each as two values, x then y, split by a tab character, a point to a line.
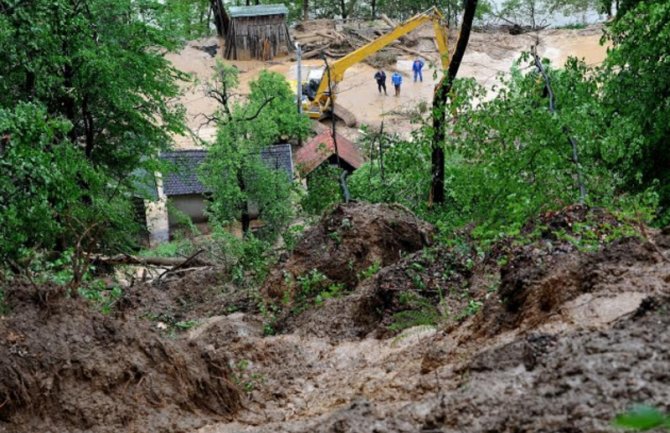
192	205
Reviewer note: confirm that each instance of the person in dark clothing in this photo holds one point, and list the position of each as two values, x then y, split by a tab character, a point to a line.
380	76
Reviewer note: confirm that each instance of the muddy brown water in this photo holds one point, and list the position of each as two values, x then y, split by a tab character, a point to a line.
488	55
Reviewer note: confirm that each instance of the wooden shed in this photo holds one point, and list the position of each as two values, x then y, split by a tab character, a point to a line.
257	32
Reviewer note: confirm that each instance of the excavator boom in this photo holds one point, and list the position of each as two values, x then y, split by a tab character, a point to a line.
323	101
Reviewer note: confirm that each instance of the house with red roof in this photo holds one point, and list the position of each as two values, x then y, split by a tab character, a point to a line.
321	149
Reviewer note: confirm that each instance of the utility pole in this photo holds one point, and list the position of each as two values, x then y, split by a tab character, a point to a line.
298	54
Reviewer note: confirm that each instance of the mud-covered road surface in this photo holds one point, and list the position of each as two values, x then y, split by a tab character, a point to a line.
546	336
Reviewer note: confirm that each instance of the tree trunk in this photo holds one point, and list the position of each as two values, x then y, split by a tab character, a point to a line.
221	18
305	10
439	105
343	9
373	5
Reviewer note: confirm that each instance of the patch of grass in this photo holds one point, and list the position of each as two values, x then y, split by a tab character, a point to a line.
643	418
176	248
411	318
333	291
370	271
99	295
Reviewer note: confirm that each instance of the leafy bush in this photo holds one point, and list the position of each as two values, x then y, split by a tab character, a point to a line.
643	418
323	189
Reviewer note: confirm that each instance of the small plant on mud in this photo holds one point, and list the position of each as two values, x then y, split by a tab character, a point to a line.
242	376
419	312
370	271
333	291
643	418
471	309
292	235
99	295
335	236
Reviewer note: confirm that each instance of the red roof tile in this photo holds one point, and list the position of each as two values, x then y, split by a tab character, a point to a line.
320	148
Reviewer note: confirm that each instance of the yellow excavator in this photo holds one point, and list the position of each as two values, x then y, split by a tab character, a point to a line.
321	103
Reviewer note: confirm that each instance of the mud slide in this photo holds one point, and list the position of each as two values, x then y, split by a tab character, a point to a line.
564	341
543	337
66	368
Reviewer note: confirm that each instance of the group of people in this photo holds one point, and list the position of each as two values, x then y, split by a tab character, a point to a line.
396	78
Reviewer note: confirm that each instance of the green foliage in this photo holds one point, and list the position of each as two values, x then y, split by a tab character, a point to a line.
100	296
402	320
84	102
405	178
643	418
176	248
323	189
333	291
508	157
234	171
43	202
248	258
636	87
370	271
292	235
471	309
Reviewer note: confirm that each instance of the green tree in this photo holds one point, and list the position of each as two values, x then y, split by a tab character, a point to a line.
636	87
41	202
233	169
95	68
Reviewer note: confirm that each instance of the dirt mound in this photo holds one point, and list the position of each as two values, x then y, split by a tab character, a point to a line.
64	366
429	286
196	295
540	286
574	383
347	241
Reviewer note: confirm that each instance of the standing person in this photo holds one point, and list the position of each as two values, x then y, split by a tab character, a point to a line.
396	79
417	66
380	76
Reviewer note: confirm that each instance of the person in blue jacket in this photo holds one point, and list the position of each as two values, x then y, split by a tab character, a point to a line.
417	67
396	79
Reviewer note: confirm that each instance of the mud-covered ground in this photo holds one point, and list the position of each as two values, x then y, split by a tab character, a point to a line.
558	333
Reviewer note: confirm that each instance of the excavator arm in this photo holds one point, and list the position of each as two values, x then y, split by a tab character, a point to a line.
323	100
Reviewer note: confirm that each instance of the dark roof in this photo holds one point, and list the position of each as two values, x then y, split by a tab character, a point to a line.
257	10
279	157
182	176
321	148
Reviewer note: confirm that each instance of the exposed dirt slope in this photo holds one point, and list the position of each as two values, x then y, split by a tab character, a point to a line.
570	339
68	368
348	240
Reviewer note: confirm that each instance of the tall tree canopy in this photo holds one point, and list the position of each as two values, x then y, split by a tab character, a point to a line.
97	69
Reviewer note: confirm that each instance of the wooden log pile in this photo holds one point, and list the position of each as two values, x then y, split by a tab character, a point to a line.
336	41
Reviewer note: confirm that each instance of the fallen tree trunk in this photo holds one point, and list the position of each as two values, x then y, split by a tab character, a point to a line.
315	53
399	47
126	259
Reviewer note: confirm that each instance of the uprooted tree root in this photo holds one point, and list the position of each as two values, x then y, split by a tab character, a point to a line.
64	365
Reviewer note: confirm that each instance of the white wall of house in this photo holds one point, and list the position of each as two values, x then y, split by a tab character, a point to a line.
157	216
